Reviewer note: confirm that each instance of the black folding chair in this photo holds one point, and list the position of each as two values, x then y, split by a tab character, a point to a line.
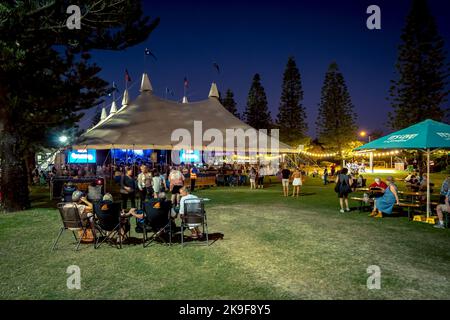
158	221
108	223
194	215
72	221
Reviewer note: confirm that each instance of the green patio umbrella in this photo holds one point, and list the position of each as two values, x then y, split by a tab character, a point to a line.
426	136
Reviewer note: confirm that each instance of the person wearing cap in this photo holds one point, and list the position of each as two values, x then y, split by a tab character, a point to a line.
85	208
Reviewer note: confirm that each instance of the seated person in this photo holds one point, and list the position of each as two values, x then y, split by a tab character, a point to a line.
157	213
423	184
185	195
106	207
385	203
413	183
444	190
94	192
85	208
360	182
378	184
68	191
440	209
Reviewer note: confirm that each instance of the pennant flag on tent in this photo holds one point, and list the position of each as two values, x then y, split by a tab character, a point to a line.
111	90
216	66
169	91
127	76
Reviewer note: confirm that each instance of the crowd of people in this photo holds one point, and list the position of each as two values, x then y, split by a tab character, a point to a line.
139	183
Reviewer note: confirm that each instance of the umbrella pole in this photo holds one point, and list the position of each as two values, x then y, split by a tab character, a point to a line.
428	183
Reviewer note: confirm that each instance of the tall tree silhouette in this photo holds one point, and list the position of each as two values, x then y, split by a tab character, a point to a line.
257	113
336	119
229	103
291	119
419	91
47	77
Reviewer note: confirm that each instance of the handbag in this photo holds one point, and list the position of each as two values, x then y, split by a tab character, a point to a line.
337	186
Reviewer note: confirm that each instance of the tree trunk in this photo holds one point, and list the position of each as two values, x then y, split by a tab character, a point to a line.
14	177
30	165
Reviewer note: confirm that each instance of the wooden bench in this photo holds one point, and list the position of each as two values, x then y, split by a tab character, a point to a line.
362	201
409	206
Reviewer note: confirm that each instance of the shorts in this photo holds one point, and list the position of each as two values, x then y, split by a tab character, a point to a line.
285	182
176	189
252	180
297	182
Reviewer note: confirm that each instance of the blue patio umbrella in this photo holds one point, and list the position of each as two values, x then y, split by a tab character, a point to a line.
426	136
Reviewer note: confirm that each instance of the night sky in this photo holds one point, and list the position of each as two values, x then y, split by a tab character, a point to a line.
246	37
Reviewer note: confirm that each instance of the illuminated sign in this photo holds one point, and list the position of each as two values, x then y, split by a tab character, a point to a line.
82	156
190	156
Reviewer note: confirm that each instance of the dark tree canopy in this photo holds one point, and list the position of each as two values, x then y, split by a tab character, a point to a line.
229	103
257	113
419	92
291	119
336	120
46	77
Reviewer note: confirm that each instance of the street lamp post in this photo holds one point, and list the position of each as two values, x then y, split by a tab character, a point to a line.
363	134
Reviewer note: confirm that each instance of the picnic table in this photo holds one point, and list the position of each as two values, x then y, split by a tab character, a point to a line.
413	200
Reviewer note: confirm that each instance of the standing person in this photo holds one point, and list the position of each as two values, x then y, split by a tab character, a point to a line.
158	183
296	182
128	188
193	176
144	182
333	170
176	182
252	178
325	176
285	175
261	174
386	203
343	188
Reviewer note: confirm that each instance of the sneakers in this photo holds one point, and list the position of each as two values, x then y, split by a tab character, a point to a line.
347	210
341	211
439	226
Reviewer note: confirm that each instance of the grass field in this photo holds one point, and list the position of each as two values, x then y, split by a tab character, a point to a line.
273	248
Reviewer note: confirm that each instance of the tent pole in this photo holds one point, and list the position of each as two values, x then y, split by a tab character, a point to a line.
371	161
428	182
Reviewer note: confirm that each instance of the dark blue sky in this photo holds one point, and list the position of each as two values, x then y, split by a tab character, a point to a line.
248	37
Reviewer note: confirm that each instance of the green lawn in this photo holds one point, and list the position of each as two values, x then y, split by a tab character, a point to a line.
273	248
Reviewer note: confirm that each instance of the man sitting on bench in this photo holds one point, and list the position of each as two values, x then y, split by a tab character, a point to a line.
439	209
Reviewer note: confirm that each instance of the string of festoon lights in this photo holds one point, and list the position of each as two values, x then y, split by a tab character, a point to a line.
359	154
319	155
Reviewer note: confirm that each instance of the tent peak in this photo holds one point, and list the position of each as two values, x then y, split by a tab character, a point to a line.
213	92
145	83
113	108
125	99
103	115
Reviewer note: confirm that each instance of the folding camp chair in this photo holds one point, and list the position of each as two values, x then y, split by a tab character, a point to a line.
72	221
194	215
157	221
109	223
